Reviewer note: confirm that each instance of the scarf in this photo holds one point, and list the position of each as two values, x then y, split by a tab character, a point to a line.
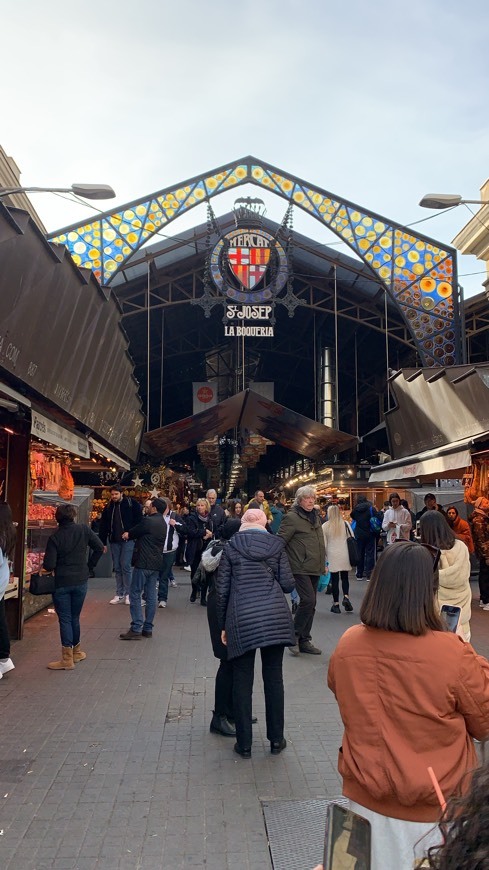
311	516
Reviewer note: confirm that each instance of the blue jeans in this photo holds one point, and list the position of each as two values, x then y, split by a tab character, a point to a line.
121	552
142	581
68	602
164	575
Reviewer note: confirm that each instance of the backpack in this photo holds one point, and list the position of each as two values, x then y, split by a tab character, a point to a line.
210	561
374	522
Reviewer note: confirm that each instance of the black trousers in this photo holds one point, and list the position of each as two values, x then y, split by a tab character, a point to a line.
273	684
335	584
4	638
223	698
367	552
307	588
483	581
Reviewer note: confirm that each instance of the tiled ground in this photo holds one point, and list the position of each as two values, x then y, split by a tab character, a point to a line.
113	766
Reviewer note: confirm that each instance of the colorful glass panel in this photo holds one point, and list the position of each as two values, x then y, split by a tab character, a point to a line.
419	275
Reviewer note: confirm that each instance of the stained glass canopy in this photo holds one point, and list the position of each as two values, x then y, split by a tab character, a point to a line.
419	274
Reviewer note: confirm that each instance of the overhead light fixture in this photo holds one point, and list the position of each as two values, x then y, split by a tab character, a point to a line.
88	191
448	200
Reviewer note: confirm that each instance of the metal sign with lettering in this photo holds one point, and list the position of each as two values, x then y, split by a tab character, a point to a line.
235	314
241	265
74	442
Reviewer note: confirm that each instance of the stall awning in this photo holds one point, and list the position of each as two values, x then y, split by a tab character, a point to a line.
255	413
442	462
108	454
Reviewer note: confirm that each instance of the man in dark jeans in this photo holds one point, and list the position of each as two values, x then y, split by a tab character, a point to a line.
118	517
174	528
366	537
149	536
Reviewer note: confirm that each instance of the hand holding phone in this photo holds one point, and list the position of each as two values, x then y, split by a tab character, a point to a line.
348	840
451	615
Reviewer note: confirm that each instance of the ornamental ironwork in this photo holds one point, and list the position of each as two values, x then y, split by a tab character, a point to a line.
418	273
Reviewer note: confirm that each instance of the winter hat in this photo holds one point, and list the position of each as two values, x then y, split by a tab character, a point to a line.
253	519
160	504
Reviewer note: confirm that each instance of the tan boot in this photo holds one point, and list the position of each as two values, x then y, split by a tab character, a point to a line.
66	663
78	655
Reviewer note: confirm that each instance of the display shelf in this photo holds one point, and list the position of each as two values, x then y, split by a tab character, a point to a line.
42	524
12	590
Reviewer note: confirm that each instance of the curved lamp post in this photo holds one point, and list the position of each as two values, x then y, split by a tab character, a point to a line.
448	200
88	191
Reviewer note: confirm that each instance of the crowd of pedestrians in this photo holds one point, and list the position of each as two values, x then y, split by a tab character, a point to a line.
412	695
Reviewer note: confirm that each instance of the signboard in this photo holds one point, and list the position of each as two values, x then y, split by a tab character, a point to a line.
44	428
204	396
237	314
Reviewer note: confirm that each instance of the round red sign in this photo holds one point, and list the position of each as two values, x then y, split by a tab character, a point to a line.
205	395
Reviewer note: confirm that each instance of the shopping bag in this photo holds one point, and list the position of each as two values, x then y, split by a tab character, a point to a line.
41	584
351	543
324	579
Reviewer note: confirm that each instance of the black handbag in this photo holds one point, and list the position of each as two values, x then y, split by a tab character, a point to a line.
42	584
351	543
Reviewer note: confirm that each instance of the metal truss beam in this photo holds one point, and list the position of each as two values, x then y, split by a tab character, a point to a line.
419	274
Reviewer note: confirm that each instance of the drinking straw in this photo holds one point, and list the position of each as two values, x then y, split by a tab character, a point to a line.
436	786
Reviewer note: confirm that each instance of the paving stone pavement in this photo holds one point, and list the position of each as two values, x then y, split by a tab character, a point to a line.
112	766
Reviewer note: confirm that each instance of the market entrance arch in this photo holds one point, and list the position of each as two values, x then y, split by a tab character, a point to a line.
418	273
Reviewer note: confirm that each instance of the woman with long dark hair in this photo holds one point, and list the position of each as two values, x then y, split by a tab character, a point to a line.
66	556
453	567
460	527
412	695
7	547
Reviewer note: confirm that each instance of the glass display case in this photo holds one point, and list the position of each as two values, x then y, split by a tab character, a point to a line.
41	523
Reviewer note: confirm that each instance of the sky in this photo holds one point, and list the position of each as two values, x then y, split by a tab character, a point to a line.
378	103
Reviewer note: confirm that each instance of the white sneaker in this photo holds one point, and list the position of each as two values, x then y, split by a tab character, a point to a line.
485	606
6	665
126	599
172	583
187	568
161	603
117	599
481	603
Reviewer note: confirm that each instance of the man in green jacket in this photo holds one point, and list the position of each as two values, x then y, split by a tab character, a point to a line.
302	532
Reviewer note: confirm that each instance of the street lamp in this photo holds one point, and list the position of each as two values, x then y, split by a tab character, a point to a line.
448	200
88	191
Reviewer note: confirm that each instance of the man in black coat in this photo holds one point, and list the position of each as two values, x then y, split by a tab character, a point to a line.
218	514
118	516
430	504
150	536
366	537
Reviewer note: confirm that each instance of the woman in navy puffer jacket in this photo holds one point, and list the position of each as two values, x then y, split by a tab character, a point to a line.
253	575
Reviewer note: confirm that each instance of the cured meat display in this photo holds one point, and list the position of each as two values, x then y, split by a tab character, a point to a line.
67	484
51	474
